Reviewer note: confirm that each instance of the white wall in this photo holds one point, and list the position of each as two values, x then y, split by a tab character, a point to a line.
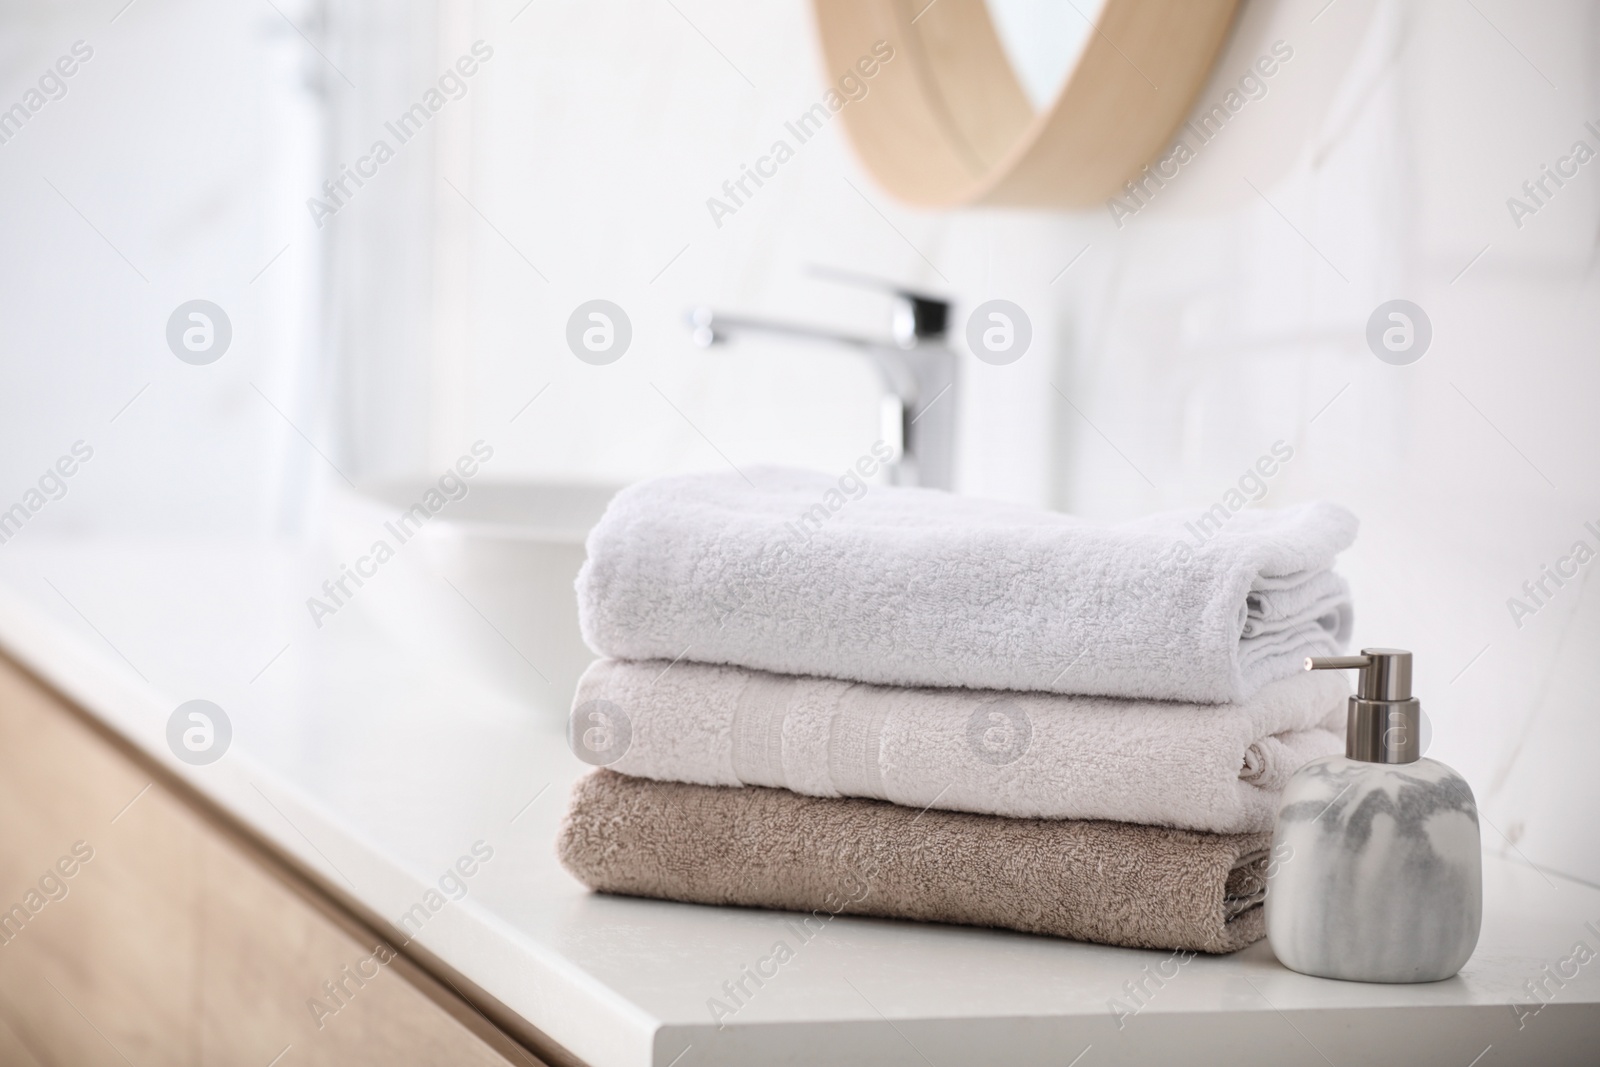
163	175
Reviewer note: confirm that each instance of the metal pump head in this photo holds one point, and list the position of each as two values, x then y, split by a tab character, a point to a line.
1385	720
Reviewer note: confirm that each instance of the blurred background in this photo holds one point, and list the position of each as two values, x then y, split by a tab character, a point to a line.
376	337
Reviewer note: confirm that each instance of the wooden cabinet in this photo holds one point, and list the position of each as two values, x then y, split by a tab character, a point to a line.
139	927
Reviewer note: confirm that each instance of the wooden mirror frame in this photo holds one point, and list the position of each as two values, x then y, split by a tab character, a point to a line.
945	122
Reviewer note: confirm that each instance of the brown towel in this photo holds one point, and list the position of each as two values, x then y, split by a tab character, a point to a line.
1115	883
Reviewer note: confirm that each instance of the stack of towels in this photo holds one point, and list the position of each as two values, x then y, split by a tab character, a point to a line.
900	702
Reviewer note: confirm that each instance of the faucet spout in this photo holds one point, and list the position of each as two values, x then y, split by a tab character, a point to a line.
917	367
709	327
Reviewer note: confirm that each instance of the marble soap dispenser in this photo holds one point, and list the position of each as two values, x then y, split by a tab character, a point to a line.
1378	875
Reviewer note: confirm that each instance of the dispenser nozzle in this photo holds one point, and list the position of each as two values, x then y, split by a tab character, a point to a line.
1384	722
1336	663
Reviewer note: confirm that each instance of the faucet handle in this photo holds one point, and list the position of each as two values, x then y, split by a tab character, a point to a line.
918	316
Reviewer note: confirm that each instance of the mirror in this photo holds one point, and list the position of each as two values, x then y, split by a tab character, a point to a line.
1043	39
1028	103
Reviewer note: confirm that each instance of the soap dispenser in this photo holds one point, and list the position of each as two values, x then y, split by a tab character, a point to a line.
1377	874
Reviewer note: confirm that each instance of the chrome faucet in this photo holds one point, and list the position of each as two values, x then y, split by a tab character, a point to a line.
917	366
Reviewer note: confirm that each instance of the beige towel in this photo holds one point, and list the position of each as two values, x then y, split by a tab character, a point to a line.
1115	883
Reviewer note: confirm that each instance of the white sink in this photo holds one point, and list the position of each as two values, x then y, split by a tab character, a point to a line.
485	587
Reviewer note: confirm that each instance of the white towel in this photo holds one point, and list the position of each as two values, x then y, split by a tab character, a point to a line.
803	574
1216	767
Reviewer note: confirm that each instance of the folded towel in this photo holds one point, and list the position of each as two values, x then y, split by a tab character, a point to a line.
1217	767
1115	883
799	574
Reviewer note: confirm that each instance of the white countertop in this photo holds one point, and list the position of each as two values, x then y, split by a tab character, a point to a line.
379	768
